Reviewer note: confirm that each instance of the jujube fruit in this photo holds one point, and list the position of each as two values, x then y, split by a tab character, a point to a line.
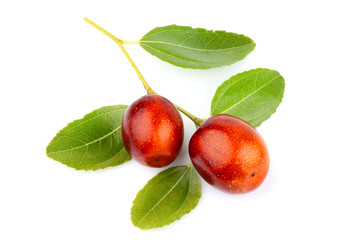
153	131
229	154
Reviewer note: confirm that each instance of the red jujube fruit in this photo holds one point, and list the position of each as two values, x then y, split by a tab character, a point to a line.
152	131
229	154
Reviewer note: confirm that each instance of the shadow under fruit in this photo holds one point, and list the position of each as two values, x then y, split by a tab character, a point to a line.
229	154
153	131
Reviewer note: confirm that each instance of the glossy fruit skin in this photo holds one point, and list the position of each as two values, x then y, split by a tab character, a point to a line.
152	131
229	154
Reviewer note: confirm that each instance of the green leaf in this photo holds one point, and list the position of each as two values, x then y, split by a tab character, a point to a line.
93	142
168	196
196	47
252	96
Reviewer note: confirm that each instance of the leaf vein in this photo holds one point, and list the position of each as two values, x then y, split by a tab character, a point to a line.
196	49
166	53
84	143
219	97
91	118
250	94
168	192
187	195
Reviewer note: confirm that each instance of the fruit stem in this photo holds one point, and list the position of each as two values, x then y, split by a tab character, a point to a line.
196	120
149	90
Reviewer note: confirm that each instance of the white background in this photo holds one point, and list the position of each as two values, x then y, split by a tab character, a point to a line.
55	67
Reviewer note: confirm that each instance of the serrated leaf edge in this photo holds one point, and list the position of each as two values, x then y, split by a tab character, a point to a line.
195	49
192	175
218	89
168	192
281	93
74	123
188	28
252	93
190	60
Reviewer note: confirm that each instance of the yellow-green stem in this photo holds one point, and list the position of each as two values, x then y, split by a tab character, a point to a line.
130	42
149	90
196	120
120	44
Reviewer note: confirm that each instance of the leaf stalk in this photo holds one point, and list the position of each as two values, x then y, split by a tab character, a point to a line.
130	42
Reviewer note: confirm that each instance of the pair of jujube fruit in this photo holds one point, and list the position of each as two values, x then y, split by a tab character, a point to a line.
226	151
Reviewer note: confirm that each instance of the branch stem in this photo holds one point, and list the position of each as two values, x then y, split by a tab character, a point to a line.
119	42
149	90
